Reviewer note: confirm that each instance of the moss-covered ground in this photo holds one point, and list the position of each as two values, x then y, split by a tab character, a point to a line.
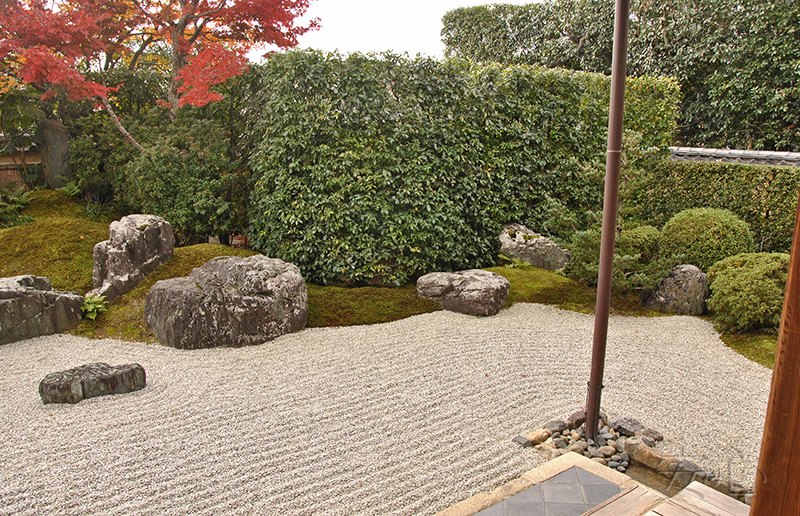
59	244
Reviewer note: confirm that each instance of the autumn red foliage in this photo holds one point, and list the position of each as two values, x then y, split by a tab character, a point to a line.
51	45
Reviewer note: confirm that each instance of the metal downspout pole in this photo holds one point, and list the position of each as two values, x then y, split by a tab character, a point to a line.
616	110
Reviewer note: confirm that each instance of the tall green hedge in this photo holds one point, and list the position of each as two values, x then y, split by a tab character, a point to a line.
763	196
378	169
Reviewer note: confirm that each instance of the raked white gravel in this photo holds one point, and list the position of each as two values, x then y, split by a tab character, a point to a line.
401	418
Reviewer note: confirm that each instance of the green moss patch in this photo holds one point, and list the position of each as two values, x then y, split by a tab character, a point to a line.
60	248
757	346
532	285
338	306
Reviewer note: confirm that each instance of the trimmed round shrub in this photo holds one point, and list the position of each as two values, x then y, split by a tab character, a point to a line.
705	236
641	240
747	291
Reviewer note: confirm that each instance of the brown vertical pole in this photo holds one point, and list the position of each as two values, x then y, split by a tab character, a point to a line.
616	110
777	486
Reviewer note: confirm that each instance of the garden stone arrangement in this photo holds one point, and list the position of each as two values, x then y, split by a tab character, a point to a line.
471	292
137	245
517	241
29	307
229	301
91	380
621	442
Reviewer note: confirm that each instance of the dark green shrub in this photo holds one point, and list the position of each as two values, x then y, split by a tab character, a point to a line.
188	178
747	291
763	196
381	169
637	263
641	240
705	236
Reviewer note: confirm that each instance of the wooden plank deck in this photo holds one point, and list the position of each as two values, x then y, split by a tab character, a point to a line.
634	502
699	500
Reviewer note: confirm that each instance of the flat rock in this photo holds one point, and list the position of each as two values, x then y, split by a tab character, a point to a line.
229	301
29	307
472	292
626	426
89	381
517	241
555	426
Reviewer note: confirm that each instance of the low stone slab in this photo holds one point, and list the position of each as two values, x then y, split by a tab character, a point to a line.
472	292
29	307
89	381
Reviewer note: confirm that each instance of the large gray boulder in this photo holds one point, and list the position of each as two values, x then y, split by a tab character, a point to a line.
517	241
683	292
473	292
90	380
29	307
137	245
229	301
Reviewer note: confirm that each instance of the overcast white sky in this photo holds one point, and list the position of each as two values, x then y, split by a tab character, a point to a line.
412	26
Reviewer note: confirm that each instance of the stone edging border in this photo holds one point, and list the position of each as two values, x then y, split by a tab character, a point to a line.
636	444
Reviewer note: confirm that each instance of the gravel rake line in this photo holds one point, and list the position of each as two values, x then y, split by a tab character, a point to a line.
403	418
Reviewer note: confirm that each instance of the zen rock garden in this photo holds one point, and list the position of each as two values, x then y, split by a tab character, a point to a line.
89	381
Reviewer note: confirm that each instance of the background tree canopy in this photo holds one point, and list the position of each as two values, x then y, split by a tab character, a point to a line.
737	61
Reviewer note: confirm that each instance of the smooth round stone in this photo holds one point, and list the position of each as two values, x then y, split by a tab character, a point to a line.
613	464
607	451
621	469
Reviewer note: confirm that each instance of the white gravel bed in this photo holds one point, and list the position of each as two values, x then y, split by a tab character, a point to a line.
401	418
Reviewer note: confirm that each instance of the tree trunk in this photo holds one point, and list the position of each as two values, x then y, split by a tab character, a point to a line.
55	153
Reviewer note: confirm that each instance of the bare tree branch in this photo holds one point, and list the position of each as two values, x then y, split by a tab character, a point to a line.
115	119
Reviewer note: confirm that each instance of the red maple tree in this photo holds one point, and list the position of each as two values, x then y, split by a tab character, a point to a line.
53	44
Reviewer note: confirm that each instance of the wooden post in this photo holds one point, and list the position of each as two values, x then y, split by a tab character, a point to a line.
777	486
613	155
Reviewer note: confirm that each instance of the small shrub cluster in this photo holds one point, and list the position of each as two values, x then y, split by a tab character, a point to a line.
705	236
638	264
747	291
188	178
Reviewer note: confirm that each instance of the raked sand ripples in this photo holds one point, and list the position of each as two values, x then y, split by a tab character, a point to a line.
401	418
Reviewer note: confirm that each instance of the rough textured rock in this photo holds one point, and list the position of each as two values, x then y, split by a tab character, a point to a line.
538	437
626	426
473	292
517	241
137	244
229	301
89	381
29	307
684	292
55	153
